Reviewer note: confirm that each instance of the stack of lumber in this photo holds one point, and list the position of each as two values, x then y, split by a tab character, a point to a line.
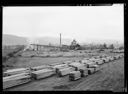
91	70
84	72
15	80
54	64
105	59
99	61
67	62
74	75
16	71
96	67
91	63
42	73
65	71
60	66
40	67
121	55
84	61
77	65
111	58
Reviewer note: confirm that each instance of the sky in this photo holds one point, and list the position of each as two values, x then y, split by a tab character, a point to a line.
73	22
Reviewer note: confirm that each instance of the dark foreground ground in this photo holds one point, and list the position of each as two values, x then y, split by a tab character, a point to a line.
111	77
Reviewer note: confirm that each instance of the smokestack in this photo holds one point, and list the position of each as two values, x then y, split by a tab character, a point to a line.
60	39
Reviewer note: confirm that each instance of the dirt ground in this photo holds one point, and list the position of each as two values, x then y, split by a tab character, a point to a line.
21	61
110	77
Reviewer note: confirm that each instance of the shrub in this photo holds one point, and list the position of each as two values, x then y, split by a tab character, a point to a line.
4	58
11	54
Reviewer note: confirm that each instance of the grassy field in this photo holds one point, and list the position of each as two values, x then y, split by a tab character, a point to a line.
9	57
27	61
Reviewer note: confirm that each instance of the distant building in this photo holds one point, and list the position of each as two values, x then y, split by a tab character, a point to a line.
38	47
10	46
65	48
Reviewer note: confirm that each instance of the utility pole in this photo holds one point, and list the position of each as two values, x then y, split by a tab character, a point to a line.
60	41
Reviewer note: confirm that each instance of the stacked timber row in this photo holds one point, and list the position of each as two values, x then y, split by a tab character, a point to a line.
44	73
15	80
74	75
77	65
65	71
16	71
40	67
76	69
60	66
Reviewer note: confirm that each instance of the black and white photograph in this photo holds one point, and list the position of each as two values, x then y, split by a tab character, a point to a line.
63	48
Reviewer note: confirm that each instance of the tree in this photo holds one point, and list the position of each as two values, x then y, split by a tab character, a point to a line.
111	46
104	46
121	47
78	47
74	45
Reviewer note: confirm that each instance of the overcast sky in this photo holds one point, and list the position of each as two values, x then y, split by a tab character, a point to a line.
74	22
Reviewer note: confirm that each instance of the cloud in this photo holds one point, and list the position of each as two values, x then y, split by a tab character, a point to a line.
79	22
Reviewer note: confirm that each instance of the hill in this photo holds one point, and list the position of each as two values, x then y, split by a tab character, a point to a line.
13	40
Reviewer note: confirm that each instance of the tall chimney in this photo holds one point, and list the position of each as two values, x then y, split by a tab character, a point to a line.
60	39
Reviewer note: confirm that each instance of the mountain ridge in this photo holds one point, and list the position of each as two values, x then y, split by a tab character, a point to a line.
8	39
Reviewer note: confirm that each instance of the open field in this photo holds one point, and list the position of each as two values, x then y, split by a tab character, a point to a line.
28	61
5	52
110	77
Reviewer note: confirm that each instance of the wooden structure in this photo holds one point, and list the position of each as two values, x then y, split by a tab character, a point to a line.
74	75
65	71
14	80
42	73
16	71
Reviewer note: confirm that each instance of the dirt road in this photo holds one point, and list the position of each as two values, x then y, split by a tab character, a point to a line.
111	77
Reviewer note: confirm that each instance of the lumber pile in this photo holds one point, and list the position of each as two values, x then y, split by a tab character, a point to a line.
74	75
65	71
16	71
14	80
75	69
44	73
40	67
